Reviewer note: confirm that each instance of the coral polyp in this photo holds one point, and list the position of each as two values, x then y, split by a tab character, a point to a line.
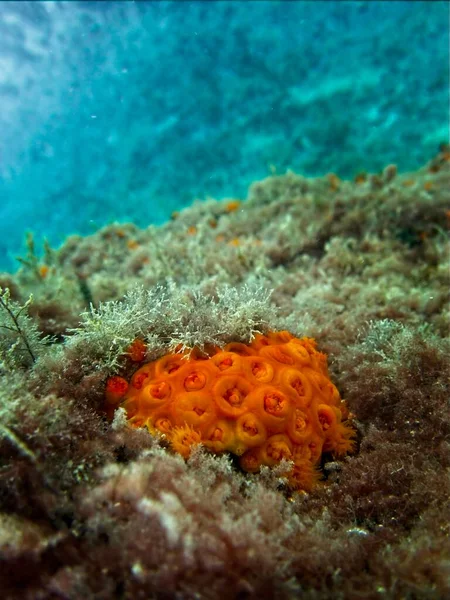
263	402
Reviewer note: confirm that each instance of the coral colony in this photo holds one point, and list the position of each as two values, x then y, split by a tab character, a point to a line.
264	402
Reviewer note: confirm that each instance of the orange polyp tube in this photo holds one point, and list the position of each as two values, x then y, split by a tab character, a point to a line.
300	386
327	417
230	394
155	394
116	388
167	365
278	354
220	436
272	406
194	381
250	430
183	439
195	409
250	461
259	368
276	448
227	361
299	427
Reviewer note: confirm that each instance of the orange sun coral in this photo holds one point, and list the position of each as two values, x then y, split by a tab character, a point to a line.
265	401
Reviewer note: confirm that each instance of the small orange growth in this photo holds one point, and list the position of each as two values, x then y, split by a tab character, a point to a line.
132	244
232	206
220	237
408	183
43	271
334	181
265	401
116	388
234	242
361	178
137	351
183	439
192	230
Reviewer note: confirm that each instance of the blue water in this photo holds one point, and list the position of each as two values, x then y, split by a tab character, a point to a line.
130	110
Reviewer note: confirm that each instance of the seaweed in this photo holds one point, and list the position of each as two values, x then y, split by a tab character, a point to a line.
21	342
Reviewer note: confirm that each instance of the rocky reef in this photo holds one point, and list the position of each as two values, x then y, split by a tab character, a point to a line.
93	508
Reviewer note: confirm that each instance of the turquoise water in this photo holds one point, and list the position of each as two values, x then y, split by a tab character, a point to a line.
128	111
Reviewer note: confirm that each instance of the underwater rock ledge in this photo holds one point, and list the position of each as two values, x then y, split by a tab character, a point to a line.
91	508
